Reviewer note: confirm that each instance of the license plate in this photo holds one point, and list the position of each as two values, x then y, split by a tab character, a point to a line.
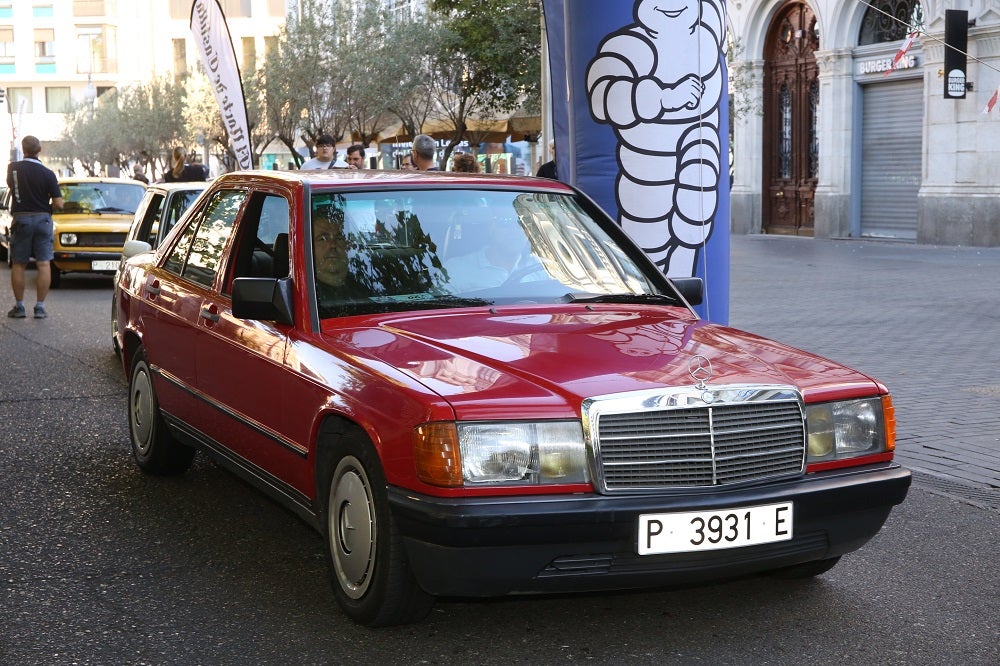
104	265
713	530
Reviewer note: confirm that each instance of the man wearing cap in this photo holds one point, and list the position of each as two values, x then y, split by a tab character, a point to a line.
325	155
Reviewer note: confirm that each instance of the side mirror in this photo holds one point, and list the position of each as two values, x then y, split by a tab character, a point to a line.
691	288
134	247
265	299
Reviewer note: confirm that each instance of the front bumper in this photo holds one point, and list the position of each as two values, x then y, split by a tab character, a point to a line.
502	545
82	262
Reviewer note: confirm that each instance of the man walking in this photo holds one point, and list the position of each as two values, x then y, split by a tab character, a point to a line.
34	193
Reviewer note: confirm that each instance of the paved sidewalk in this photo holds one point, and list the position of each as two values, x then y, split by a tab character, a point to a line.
924	320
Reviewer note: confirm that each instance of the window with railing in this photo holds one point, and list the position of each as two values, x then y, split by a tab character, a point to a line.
890	21
96	49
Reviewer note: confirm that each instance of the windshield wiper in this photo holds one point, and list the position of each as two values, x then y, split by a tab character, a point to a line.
655	299
113	209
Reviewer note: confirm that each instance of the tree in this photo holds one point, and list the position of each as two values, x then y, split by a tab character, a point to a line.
479	75
132	123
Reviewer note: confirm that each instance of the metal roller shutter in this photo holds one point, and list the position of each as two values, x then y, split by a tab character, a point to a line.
892	126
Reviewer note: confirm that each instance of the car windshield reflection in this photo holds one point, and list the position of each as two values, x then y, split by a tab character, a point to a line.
381	252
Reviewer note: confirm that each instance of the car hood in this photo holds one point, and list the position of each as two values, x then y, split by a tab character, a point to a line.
546	361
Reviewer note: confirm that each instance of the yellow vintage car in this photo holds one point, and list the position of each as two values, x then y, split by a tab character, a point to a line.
91	227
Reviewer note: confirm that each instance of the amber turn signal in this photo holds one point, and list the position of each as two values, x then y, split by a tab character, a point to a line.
436	454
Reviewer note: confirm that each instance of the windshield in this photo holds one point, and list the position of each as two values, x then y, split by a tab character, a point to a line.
377	251
116	198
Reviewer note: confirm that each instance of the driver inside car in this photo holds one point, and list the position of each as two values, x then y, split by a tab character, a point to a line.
332	250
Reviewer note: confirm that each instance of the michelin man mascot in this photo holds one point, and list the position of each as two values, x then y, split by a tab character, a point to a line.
659	83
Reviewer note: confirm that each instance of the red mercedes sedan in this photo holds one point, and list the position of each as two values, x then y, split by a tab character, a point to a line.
476	385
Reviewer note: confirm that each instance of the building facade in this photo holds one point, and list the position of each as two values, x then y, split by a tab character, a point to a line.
826	143
55	54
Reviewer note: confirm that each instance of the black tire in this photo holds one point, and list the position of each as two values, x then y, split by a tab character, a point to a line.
806	569
155	450
56	276
371	575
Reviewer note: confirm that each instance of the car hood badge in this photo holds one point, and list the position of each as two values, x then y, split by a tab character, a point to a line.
700	369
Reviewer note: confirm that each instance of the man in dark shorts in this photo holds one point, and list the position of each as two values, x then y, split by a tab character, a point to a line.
34	193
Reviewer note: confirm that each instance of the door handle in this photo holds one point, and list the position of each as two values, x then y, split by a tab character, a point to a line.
153	289
207	313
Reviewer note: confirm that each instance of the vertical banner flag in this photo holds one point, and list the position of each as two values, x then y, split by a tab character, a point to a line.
218	57
641	124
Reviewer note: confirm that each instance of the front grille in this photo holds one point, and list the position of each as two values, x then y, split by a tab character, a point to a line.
705	445
101	239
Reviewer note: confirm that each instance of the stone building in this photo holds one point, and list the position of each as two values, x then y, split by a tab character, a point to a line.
826	144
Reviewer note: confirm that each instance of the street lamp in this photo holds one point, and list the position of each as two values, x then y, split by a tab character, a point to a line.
90	94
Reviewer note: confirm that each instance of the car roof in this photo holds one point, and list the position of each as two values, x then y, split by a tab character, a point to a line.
397	178
71	180
182	185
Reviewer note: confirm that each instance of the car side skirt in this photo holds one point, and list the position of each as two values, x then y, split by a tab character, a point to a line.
272	486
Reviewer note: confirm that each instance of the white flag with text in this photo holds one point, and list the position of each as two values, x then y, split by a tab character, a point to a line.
218	57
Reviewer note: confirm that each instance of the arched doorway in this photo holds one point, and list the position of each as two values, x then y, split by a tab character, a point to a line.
790	142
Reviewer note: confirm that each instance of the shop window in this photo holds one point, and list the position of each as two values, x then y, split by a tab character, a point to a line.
890	21
58	100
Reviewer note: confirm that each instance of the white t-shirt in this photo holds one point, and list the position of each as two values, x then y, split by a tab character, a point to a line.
316	164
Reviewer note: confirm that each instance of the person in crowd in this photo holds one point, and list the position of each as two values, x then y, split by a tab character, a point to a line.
465	162
34	193
423	153
180	170
356	156
406	162
138	173
326	155
548	170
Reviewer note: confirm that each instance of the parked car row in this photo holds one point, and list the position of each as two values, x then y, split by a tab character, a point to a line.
477	385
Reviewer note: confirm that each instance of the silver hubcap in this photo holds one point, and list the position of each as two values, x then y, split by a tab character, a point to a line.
142	411
352	528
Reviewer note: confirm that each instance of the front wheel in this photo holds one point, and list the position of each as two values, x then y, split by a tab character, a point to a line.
372	578
155	450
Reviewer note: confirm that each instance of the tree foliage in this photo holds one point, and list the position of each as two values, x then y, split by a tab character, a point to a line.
350	69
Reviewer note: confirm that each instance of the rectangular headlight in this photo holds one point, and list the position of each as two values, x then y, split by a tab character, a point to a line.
846	429
68	239
518	453
512	453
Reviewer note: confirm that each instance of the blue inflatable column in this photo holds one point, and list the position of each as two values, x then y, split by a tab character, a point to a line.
640	117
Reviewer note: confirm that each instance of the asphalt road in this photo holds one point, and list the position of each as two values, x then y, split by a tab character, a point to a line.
100	564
